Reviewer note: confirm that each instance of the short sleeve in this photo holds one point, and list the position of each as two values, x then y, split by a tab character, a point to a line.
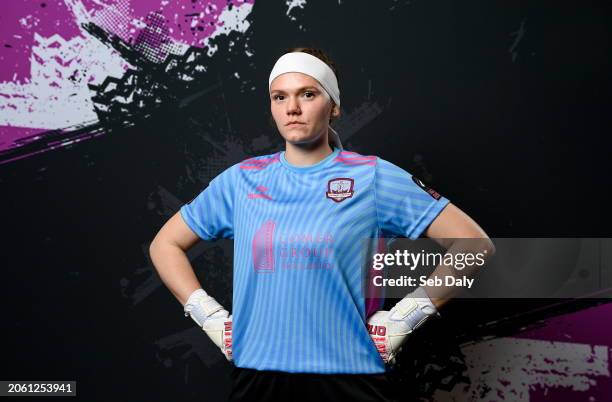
210	213
405	206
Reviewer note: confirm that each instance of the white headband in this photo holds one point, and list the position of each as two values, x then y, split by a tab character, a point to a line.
300	62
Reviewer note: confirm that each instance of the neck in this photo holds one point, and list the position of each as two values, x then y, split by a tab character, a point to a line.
307	154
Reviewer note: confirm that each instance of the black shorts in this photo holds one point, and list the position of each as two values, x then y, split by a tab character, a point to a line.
260	386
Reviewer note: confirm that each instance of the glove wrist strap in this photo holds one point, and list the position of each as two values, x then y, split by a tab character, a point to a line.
424	302
414	309
200	306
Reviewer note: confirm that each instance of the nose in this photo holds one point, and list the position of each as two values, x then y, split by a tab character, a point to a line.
293	105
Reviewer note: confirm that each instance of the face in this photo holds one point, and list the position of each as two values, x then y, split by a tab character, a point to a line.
300	107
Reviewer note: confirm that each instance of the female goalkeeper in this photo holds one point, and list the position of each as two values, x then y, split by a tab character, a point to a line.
298	218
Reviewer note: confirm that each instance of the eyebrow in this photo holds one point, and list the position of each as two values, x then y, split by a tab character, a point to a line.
310	87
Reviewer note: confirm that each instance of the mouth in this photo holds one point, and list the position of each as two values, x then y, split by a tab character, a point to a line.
294	124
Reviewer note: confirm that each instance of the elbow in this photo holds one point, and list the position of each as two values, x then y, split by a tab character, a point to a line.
485	244
157	254
488	247
154	248
161	245
153	245
478	243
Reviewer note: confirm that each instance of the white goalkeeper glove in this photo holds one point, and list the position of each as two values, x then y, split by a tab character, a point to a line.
212	318
390	329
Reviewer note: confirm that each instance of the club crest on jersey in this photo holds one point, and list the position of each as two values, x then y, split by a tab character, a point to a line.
340	189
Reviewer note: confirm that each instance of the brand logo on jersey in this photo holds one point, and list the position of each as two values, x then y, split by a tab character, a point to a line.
340	189
429	191
261	193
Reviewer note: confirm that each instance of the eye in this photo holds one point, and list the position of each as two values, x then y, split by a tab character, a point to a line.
277	97
307	93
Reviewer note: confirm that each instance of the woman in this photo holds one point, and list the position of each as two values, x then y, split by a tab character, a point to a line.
298	218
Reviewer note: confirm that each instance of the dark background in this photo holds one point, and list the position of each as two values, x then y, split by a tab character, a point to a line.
512	130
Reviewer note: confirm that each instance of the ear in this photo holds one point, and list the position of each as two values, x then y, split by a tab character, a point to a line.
335	112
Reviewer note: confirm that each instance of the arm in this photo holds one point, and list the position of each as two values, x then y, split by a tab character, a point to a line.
168	254
449	229
456	232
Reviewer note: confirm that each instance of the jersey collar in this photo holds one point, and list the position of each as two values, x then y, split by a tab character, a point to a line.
311	168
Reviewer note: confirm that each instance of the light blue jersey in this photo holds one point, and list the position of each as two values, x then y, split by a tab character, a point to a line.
298	304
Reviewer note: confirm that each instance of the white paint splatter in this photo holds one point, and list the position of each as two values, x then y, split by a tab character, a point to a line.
81	15
291	4
229	21
507	369
57	94
29	21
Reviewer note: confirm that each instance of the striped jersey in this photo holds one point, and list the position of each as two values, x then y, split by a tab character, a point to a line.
299	238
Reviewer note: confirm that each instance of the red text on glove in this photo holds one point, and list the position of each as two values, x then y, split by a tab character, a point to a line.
379	330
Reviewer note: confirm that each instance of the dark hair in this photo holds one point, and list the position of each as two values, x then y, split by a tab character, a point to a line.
321	55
